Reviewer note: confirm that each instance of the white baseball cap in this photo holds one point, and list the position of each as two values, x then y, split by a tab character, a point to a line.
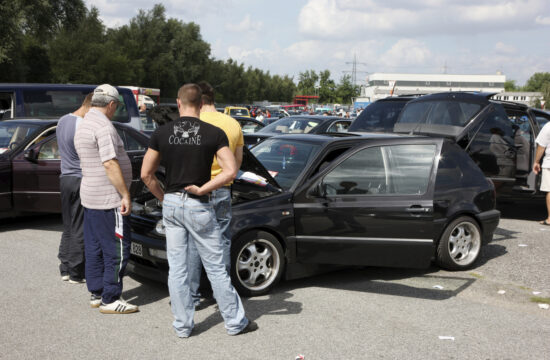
105	91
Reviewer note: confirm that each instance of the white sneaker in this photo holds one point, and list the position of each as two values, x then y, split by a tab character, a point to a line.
65	277
95	301
118	307
77	281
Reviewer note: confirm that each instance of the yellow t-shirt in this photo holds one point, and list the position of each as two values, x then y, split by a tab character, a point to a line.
232	130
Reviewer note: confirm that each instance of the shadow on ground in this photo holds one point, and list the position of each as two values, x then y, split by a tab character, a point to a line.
534	210
48	222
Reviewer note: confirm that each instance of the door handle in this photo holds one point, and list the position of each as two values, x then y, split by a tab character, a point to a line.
417	210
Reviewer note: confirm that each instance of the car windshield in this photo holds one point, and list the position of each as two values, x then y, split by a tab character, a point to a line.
379	116
439	112
285	159
238	112
291	126
12	134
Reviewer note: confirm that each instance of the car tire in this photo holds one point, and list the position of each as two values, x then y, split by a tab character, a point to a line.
460	244
257	263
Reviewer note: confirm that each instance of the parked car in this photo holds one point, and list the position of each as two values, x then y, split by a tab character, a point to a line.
381	115
498	135
30	165
55	100
302	124
236	111
304	203
249	125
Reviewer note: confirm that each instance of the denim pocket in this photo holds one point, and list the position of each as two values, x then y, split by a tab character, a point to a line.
168	218
201	218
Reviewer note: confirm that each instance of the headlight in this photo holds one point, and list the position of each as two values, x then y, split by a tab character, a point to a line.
159	228
161	254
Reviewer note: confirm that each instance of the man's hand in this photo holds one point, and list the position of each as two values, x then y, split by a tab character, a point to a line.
125	206
536	168
194	189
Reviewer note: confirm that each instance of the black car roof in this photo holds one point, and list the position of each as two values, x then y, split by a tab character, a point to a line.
31	121
327	138
479	97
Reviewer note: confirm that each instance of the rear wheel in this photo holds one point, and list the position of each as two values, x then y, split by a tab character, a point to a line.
460	244
257	263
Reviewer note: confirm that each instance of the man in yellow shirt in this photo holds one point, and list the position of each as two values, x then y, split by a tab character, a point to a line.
220	198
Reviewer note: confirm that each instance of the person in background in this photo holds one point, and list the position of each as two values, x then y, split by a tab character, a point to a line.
186	148
260	116
220	198
71	247
543	149
106	178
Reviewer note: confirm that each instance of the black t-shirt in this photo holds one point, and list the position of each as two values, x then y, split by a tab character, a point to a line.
187	147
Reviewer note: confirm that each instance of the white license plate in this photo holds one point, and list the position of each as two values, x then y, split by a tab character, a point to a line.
136	249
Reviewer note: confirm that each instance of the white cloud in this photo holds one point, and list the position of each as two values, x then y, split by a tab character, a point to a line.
344	19
407	52
543	20
502	48
246	25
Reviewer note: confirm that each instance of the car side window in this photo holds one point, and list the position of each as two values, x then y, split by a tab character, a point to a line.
383	170
131	143
338	127
49	150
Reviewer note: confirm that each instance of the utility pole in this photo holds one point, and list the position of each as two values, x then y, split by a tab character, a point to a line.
354	69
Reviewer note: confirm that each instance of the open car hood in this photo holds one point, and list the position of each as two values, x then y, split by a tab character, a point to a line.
252	171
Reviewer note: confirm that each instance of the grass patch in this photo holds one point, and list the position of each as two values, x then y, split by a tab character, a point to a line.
525	288
540	300
476	275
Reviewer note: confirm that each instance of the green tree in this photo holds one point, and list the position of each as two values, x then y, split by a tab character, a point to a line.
346	90
510	85
536	81
307	82
327	88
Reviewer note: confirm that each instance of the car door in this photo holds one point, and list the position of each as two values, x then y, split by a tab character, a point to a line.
375	207
5	184
36	178
135	147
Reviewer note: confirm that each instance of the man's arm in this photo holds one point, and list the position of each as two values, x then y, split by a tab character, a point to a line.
151	162
114	173
227	162
538	157
239	156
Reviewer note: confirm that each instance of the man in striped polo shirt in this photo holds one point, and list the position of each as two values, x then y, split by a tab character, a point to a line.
106	178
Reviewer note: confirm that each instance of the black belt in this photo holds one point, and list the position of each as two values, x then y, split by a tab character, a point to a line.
201	198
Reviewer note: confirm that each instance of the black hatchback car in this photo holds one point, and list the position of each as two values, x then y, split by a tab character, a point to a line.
304	202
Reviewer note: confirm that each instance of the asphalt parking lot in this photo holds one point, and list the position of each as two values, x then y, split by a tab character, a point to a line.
488	312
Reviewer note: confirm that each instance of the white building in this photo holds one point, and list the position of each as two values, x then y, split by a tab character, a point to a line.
382	85
527	98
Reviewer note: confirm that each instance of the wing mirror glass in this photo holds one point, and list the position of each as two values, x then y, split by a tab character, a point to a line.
319	190
31	155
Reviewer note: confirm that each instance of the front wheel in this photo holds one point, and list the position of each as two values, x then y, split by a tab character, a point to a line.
257	263
460	244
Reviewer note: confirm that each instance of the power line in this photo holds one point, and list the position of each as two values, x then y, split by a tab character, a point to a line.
354	69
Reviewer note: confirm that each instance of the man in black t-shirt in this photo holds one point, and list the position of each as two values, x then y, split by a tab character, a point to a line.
186	148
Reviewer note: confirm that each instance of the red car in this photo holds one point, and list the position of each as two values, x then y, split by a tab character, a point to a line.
30	165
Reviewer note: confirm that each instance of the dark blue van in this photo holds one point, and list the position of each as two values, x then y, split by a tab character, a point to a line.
55	100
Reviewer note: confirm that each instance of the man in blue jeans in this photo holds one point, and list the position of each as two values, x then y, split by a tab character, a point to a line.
186	148
221	198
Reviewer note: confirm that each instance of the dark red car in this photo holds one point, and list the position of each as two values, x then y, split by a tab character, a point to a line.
30	165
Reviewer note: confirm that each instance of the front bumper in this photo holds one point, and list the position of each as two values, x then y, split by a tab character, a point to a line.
148	263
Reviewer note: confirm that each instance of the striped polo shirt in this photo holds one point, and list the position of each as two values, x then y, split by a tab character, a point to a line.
97	141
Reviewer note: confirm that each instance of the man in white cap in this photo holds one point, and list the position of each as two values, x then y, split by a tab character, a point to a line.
106	178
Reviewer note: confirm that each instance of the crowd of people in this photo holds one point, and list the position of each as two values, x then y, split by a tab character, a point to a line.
201	152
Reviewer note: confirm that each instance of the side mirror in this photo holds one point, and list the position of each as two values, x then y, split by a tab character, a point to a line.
319	190
31	155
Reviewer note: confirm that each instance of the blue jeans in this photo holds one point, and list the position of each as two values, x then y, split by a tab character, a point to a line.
221	201
190	221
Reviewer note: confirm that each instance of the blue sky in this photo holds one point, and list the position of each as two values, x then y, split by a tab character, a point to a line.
421	36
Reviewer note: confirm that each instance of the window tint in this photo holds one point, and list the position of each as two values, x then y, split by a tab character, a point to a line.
454	113
13	134
379	116
249	126
6	105
339	126
493	146
131	143
291	126
398	169
50	103
121	114
49	150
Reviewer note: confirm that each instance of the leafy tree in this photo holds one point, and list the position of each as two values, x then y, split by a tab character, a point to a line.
327	88
307	82
510	85
346	90
537	81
